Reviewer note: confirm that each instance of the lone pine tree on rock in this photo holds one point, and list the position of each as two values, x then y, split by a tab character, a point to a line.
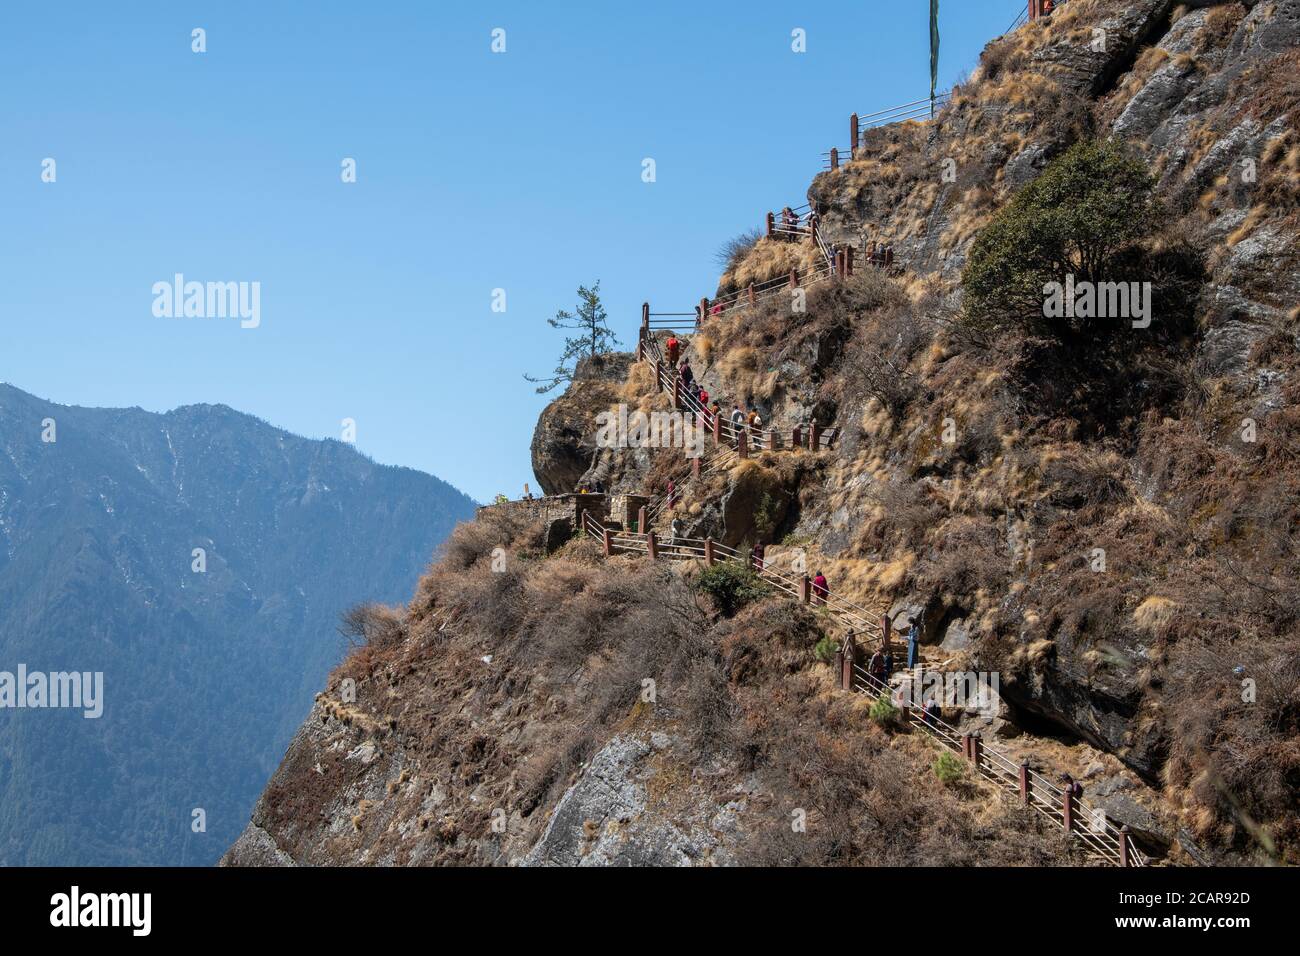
595	338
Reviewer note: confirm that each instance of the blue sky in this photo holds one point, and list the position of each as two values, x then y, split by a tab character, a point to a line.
475	170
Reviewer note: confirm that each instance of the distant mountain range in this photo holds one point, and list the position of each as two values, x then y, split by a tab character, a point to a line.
199	560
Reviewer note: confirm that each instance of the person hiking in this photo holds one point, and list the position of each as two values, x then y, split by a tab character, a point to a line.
672	495
757	556
889	664
820	589
528	493
913	642
756	429
703	396
673	346
876	666
737	422
789	222
688	377
675	530
933	713
1072	786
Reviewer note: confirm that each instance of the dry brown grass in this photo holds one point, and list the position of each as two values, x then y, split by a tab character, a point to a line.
770	259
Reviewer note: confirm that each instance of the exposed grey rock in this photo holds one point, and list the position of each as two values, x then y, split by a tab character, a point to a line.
956	635
1225	348
603	819
255	847
1113	795
1025	165
564	441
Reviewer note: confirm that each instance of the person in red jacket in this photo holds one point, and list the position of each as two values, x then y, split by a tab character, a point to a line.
820	589
758	554
673	346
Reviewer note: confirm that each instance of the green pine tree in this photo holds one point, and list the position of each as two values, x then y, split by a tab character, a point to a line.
594	338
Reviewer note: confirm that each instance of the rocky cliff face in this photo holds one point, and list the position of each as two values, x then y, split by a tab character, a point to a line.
1125	561
564	440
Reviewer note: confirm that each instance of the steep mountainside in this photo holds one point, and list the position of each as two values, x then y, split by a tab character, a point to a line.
206	674
1101	512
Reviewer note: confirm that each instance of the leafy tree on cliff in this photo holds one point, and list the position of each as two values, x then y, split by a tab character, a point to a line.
594	338
1083	217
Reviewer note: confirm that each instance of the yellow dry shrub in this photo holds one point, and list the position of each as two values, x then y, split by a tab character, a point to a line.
639	383
1154	613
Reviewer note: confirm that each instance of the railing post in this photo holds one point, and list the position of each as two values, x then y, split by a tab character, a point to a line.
854	133
976	749
1067	810
838	260
814	435
773	439
677	392
886	630
847	660
742	443
835	158
796	437
704	308
717	426
695	467
607	543
805	589
794	278
641	520
848	260
966	748
645	315
651	545
1024	784
1125	859
640	346
771	224
753	299
708	552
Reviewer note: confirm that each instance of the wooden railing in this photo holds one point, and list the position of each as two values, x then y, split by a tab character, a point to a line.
918	110
852	616
1097	835
740	437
